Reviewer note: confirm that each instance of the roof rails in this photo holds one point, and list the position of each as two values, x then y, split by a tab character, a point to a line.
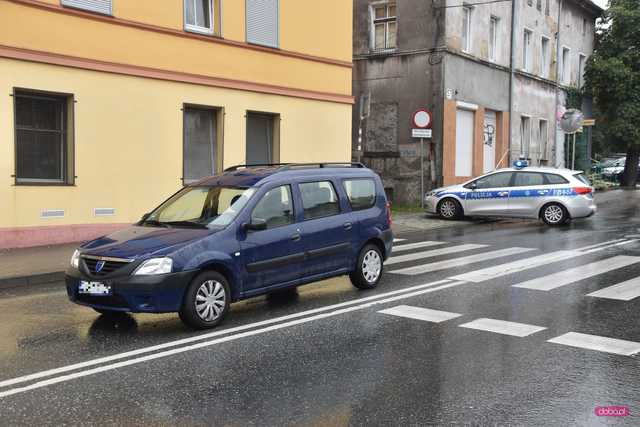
287	166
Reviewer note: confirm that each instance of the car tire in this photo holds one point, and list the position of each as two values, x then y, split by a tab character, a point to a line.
368	268
554	214
206	301
449	209
109	313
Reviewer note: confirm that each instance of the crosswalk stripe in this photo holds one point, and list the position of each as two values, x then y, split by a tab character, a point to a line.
572	275
597	245
503	327
416	246
517	266
457	262
419	313
625	291
598	343
398	240
432	253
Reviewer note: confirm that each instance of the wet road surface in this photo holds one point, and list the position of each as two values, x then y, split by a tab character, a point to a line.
519	324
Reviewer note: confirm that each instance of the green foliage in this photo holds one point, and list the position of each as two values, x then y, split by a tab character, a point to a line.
574	97
613	74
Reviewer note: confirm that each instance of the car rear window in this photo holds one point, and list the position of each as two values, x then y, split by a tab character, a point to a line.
582	177
552	179
361	193
319	199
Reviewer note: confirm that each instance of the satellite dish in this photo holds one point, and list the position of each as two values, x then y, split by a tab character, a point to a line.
571	120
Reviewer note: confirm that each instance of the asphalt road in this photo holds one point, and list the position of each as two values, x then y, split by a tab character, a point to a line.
442	351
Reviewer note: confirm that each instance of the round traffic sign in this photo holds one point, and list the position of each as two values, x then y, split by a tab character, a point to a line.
421	119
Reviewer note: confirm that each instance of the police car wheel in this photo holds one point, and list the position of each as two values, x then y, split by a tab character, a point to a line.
206	301
109	313
369	268
554	214
449	209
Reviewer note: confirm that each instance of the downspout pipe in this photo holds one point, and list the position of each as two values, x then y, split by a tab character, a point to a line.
556	161
512	73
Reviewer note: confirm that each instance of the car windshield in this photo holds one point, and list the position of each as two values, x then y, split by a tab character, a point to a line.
201	207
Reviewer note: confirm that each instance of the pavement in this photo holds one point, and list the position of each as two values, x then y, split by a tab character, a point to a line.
497	323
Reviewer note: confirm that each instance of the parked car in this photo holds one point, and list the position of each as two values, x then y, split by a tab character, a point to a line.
245	232
612	170
553	195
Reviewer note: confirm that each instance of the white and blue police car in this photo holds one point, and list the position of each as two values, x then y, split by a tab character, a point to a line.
553	195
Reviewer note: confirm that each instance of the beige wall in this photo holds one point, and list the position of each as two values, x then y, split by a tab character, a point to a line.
128	139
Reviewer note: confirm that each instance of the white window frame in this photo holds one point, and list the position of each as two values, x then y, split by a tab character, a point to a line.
582	62
545	55
494	44
468	20
527	48
386	21
543	139
565	66
196	28
524	153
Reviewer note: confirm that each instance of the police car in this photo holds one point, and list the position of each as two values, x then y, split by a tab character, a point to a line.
553	195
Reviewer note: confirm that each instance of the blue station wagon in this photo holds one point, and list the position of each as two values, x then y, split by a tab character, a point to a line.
248	231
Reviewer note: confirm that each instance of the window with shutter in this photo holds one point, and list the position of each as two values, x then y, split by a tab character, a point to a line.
100	6
262	22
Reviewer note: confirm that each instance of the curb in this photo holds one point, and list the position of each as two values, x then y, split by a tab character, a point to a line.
33	280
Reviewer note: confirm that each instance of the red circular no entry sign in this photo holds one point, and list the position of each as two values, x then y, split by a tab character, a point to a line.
422	119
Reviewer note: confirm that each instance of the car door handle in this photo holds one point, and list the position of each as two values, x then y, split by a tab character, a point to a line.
296	237
503	193
348	226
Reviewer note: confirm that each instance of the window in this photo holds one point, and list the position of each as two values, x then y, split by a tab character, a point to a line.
526	51
543	134
200	154
275	208
384	26
198	16
554	179
524	179
584	27
525	135
564	66
539	5
361	193
544	57
100	6
581	62
493	38
496	180
263	22
466	29
319	199
546	8
44	148
262	138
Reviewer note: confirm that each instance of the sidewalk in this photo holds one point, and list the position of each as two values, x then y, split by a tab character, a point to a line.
46	264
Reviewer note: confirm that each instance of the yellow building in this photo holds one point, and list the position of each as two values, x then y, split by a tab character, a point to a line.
108	106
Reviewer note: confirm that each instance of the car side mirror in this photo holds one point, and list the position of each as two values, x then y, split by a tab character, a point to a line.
145	217
256	224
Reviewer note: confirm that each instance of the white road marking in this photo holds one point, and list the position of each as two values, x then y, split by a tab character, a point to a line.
432	253
419	313
572	275
409	291
598	343
398	240
601	244
503	327
517	266
457	262
625	291
609	246
416	246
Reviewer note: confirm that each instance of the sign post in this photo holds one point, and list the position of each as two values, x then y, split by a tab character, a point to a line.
421	129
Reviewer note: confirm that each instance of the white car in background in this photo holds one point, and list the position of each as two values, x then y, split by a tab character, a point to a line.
553	195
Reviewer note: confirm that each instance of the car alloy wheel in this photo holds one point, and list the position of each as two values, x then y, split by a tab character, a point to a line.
210	300
554	214
371	266
448	209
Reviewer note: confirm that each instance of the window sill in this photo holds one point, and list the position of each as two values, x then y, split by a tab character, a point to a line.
94	12
43	184
201	31
268	46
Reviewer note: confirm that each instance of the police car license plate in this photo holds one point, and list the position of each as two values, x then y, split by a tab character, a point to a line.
93	288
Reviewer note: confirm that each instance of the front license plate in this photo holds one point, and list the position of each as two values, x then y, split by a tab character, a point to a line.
93	288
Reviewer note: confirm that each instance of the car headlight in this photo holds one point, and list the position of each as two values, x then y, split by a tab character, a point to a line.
75	259
154	266
430	194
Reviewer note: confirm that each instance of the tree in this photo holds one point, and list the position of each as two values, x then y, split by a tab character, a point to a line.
613	79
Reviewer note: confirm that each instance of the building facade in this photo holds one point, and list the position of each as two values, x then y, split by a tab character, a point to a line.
111	105
456	60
